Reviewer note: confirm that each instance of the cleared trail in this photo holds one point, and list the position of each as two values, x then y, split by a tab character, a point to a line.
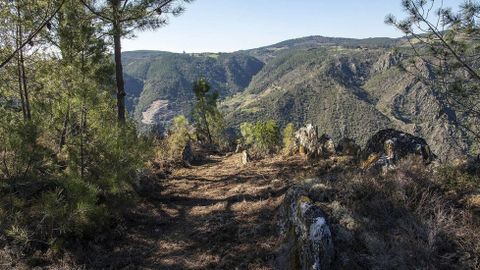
218	215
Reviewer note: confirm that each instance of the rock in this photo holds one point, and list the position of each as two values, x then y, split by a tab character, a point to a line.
377	163
321	193
327	146
245	157
307	140
310	144
395	145
348	147
308	233
389	149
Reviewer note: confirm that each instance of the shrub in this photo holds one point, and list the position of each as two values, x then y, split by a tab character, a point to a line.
169	149
247	131
457	178
403	219
263	136
180	134
267	136
47	198
289	139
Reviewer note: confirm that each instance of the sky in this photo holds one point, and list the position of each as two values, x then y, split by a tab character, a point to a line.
231	25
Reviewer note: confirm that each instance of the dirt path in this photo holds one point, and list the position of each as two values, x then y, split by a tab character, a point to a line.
219	215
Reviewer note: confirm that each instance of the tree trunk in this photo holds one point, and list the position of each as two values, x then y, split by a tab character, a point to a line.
63	135
20	89
207	128
21	66
25	89
119	74
18	41
83	124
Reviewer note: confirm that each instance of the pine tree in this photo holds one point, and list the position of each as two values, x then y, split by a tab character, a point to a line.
208	118
122	17
445	54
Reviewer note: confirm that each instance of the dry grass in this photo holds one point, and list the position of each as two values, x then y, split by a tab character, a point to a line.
221	214
216	215
403	220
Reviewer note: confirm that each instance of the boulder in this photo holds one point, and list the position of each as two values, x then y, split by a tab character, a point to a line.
311	145
309	239
307	140
245	157
395	145
378	163
327	146
348	147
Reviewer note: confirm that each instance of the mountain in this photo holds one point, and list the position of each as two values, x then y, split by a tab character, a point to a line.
159	84
348	87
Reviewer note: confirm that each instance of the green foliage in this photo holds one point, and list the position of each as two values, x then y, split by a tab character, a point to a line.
247	131
267	135
69	170
169	76
180	134
445	44
263	136
289	139
208	119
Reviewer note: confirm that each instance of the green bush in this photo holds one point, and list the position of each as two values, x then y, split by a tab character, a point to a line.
247	131
263	136
48	197
180	134
289	139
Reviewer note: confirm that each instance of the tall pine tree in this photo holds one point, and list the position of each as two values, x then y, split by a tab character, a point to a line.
122	17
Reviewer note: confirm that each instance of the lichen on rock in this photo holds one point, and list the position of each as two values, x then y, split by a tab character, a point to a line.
308	232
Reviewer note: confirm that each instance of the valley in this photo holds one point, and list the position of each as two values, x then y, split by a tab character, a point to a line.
348	87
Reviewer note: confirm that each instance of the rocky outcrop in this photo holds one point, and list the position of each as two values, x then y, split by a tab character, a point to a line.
389	145
395	145
307	140
310	144
327	146
309	239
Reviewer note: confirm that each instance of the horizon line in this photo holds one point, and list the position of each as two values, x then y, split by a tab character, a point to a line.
263	46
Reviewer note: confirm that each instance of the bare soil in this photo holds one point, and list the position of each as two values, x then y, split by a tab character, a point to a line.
216	215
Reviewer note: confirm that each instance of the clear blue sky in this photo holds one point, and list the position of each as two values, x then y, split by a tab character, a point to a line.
230	25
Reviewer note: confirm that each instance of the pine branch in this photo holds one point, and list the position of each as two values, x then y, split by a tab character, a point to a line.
32	36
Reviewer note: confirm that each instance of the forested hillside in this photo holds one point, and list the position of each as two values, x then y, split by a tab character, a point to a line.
160	83
348	87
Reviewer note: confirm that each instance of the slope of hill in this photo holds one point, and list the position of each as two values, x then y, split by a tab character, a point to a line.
166	81
348	87
347	92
